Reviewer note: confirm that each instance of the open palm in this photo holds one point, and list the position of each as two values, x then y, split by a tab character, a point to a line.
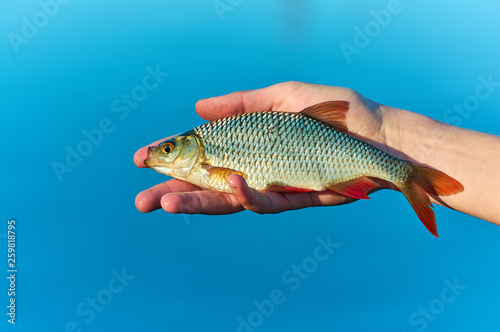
364	120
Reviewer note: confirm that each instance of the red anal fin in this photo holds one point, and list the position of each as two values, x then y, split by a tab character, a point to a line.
287	189
356	188
332	113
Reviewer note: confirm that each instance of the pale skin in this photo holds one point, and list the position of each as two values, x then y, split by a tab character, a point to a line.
473	158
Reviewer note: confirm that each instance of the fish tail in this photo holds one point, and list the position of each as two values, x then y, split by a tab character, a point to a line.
425	181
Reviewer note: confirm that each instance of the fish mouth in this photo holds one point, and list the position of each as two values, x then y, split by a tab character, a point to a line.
151	160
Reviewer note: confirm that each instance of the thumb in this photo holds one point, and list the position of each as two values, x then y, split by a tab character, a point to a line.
249	198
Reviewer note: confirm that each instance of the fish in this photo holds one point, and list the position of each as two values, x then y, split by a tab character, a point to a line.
308	151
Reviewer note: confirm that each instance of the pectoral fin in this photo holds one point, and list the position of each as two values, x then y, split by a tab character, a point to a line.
221	173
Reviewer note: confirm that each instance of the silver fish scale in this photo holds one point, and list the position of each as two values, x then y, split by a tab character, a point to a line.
293	150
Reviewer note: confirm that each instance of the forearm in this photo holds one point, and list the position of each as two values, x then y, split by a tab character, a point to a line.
473	158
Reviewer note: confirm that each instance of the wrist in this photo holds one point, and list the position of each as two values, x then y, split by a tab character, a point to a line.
470	157
414	136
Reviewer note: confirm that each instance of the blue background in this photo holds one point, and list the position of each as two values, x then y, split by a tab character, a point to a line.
200	273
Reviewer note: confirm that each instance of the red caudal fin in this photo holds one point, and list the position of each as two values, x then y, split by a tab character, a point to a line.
436	182
425	181
421	203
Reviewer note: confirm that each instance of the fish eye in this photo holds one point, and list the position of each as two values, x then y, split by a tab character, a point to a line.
167	147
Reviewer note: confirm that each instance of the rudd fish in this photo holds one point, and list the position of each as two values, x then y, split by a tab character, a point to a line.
296	152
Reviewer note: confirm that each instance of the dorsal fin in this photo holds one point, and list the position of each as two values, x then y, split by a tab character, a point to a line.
333	113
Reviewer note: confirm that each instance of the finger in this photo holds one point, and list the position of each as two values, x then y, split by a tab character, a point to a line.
238	102
274	202
150	199
204	202
252	199
329	198
141	154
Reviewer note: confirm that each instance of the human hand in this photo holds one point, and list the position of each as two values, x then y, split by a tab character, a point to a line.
365	119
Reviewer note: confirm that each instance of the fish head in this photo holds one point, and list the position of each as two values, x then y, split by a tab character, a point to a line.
175	156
